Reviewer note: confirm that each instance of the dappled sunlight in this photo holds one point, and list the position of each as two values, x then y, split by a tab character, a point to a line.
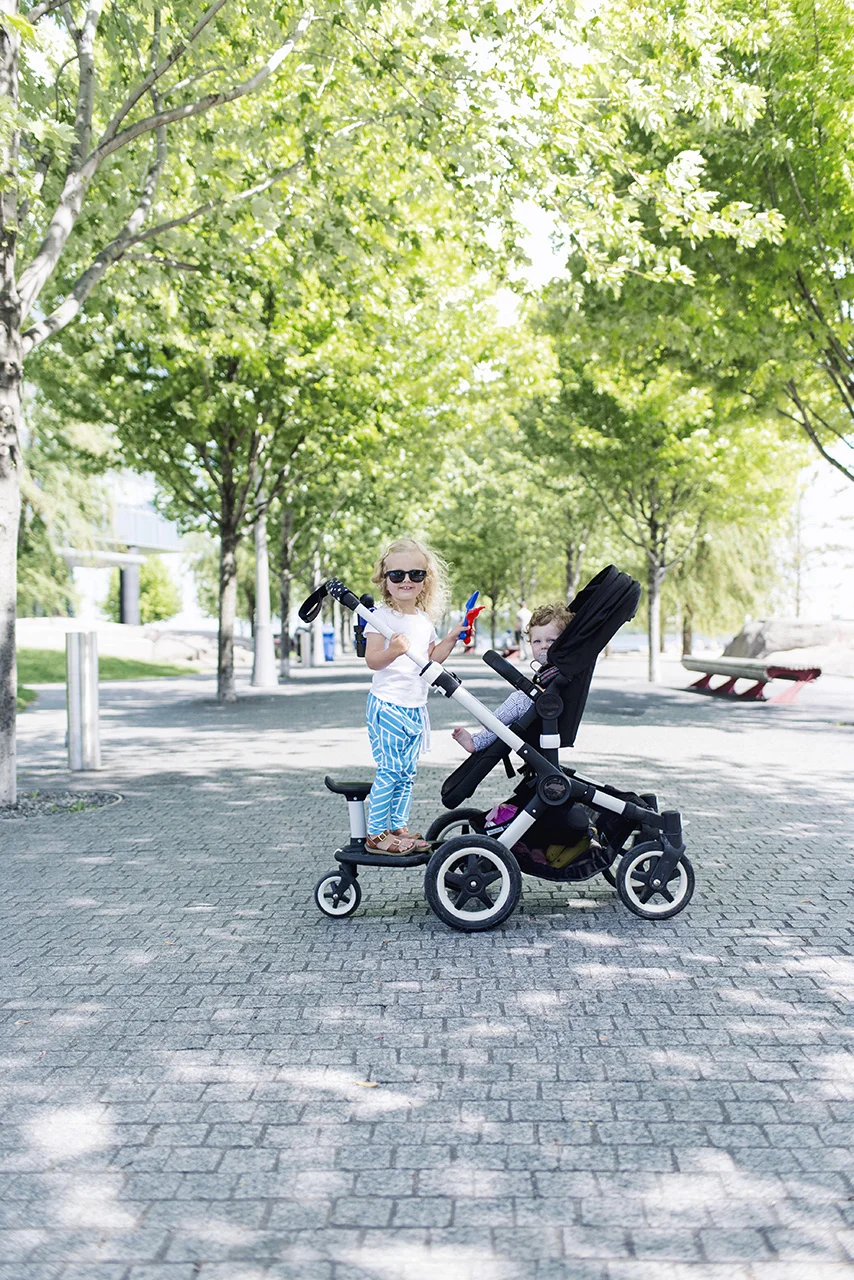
367	1098
395	1260
590	938
537	1001
836	1078
66	1132
90	1203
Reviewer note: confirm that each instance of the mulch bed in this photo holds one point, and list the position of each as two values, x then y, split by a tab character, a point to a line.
37	804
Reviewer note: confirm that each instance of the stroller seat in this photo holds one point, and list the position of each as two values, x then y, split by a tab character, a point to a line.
607	602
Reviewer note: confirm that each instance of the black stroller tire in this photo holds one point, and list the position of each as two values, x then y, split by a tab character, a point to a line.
633	888
469	821
337	895
472	871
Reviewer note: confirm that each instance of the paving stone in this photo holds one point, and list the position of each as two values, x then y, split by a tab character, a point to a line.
578	1094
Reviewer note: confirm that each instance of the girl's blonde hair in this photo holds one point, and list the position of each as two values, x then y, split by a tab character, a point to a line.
546	613
434	598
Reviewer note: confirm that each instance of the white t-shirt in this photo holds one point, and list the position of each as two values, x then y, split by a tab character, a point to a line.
400	682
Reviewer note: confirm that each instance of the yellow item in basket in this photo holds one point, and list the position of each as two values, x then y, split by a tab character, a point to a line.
560	855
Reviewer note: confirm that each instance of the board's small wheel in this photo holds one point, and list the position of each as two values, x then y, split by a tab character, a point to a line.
456	822
472	883
639	888
336	894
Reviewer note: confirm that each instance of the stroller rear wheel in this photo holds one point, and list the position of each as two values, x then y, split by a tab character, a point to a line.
456	822
336	894
472	883
636	875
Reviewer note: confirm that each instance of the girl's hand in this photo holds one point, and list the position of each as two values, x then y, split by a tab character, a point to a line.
464	738
398	645
454	633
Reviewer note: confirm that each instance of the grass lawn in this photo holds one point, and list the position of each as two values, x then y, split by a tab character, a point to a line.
47	666
25	697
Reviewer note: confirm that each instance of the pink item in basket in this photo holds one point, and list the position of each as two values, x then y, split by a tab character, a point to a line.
500	816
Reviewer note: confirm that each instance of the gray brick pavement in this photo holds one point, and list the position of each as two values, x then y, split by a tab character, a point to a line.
188	1045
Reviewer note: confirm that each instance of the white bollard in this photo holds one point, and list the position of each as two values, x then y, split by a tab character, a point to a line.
81	665
264	675
305	648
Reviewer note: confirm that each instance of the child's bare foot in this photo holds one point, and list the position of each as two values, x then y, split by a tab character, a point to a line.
464	738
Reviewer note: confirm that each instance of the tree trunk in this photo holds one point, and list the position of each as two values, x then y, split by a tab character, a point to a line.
10	505
225	690
11	363
264	666
285	592
574	560
654	579
687	632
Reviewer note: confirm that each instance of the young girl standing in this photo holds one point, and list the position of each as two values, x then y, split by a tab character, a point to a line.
412	585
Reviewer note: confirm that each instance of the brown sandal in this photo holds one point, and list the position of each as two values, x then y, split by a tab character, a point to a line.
388	842
421	845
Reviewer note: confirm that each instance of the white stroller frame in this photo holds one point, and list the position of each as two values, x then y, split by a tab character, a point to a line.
474	863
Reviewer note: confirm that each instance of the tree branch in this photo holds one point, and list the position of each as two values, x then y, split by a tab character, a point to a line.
127	239
112	141
84	38
177	51
111	253
34	276
811	431
248	194
42	10
158	260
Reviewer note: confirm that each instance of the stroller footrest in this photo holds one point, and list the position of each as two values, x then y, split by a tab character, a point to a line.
384	859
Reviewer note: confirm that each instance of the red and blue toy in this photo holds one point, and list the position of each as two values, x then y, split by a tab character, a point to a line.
471	613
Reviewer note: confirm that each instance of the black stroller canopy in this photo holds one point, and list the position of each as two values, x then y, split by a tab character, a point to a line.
607	602
599	610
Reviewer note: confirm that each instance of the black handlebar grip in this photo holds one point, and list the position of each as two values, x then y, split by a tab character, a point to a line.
509	673
342	594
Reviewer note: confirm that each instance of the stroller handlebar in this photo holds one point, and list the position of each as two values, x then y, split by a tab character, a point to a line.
505	669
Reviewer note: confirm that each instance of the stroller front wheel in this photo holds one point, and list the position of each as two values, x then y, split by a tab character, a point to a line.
635	876
337	895
472	883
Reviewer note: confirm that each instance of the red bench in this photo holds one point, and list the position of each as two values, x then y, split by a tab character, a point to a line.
758	670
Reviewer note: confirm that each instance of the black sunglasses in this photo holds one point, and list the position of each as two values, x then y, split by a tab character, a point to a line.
414	575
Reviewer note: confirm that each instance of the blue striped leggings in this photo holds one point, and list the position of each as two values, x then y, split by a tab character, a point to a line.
395	734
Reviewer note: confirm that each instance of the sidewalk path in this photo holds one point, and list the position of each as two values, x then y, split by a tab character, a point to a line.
189	1046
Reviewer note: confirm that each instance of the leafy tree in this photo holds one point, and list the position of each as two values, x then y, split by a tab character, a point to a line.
731	574
667	456
108	153
159	598
773	319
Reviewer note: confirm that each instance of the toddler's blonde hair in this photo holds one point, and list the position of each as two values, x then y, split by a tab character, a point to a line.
434	598
546	613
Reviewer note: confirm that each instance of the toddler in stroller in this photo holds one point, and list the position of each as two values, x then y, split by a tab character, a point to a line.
474	864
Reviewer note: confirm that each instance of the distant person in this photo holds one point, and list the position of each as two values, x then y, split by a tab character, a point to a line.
523	622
